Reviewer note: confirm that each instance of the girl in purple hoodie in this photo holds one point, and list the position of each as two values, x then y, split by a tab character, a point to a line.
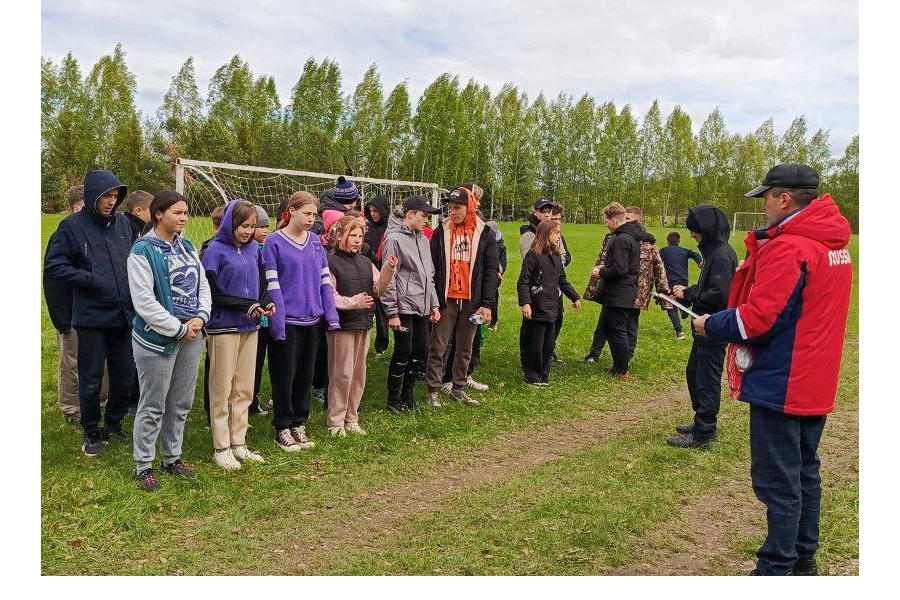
300	284
236	275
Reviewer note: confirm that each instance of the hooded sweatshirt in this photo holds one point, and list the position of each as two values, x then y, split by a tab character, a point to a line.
412	291
236	275
88	252
789	305
168	289
376	229
710	294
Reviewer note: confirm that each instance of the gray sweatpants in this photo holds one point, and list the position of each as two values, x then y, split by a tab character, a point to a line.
167	393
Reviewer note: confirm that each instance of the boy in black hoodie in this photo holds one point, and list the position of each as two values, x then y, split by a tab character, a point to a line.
137	211
377	212
89	252
709	227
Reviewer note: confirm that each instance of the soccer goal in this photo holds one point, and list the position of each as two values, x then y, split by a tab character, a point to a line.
210	184
747	221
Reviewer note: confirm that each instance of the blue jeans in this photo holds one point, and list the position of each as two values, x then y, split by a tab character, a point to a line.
784	468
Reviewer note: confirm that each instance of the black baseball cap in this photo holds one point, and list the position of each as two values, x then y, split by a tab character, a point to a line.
459	195
542	203
419	203
790	175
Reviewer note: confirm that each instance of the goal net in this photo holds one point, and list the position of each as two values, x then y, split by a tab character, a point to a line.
210	184
747	221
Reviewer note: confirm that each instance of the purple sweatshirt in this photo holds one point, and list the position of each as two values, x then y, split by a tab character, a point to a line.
299	282
234	275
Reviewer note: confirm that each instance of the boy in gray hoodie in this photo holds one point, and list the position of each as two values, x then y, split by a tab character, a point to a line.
411	299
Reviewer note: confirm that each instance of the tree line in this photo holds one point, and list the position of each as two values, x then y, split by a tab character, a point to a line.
583	153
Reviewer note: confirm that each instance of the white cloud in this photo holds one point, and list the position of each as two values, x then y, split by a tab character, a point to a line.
755	60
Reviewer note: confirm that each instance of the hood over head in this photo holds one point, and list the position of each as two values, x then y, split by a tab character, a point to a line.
380	202
225	234
97	183
710	222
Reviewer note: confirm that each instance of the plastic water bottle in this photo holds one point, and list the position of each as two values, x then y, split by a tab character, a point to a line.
476	319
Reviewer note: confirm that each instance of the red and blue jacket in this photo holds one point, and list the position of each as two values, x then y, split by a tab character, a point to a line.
788	304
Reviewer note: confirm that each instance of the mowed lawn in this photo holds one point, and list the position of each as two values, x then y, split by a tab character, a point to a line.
439	491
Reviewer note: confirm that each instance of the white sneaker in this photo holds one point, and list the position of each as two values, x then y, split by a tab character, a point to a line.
355	428
242	453
447	387
225	459
286	441
432	399
478	387
301	438
337	431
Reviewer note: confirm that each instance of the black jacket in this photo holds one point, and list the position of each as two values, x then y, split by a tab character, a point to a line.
710	293
484	280
540	281
376	230
138	227
622	267
59	298
89	253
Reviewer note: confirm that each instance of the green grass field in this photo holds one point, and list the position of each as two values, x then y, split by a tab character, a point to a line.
575	479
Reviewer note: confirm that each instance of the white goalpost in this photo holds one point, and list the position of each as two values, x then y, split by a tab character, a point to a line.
747	221
208	184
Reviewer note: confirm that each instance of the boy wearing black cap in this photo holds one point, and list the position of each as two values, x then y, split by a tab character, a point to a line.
410	300
543	210
464	253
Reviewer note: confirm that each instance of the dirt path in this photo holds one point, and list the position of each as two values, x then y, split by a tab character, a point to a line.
510	455
696	540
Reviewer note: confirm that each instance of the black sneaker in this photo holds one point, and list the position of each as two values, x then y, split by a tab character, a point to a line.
146	480
398	409
116	434
93	445
686	440
257	411
685	428
589	359
805	566
179	468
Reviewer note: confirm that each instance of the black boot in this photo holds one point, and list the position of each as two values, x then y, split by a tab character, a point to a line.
395	382
805	566
407	398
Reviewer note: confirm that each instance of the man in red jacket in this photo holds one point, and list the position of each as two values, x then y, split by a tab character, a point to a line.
786	322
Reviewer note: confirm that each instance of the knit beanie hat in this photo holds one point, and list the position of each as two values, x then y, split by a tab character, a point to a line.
330	217
262	217
345	191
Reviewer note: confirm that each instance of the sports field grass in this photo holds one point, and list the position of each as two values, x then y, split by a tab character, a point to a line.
573	479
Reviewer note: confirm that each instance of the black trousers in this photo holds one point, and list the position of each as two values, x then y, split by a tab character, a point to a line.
704	381
98	346
263	340
615	328
381	328
599	340
557	327
320	373
410	353
634	318
291	365
536	340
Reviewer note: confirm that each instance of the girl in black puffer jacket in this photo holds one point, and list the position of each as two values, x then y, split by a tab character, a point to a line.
539	285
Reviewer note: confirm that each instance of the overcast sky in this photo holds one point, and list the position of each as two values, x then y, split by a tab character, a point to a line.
755	60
